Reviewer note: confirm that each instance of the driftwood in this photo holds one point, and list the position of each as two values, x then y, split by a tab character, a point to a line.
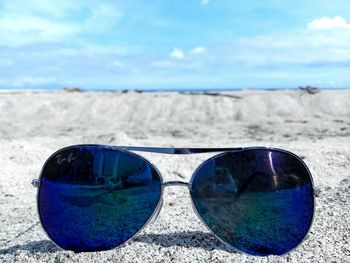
310	89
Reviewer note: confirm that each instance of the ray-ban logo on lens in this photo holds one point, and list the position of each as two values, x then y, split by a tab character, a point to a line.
61	159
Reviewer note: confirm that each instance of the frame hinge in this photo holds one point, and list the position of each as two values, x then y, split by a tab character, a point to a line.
36	183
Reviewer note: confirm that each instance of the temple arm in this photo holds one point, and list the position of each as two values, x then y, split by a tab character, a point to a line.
166	150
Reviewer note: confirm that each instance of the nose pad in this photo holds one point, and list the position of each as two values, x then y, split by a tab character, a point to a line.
156	214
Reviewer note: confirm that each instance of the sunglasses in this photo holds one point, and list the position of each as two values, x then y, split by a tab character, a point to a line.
257	200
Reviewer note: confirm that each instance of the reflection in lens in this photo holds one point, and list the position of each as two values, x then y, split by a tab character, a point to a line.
93	198
259	201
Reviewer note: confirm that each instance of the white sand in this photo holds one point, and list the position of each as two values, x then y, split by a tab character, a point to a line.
35	124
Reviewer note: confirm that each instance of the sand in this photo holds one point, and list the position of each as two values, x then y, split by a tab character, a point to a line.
35	124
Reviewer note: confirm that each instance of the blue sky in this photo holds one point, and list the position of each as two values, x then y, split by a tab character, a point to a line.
192	44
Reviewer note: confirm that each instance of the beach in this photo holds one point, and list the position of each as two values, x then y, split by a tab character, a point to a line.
34	124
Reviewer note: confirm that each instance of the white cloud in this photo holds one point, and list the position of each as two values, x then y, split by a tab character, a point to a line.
118	64
298	48
180	54
177	53
198	50
47	8
25	81
103	17
205	2
6	62
329	23
26	29
162	64
23	22
172	65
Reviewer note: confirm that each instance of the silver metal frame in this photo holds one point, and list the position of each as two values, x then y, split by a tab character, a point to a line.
169	150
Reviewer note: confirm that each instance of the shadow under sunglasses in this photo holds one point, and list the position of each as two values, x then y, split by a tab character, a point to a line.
188	239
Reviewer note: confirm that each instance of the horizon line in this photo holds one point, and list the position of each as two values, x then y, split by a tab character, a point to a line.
180	90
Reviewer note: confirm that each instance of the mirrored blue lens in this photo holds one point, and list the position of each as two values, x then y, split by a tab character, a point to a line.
93	198
259	201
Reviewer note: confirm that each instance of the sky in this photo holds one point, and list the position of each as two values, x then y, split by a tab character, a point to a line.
184	44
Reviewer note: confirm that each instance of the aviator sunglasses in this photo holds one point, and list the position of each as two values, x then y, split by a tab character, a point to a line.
257	200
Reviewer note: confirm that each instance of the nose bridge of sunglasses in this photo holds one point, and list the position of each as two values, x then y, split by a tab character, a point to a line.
175	183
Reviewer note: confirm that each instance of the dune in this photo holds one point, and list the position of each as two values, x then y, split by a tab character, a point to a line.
34	124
